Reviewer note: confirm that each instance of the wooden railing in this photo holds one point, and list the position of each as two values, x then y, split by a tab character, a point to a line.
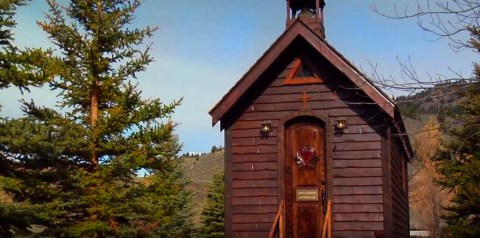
327	224
277	229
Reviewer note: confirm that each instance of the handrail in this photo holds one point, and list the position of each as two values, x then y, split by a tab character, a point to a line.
277	223
278	226
327	224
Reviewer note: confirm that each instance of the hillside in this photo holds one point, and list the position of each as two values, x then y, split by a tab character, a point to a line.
442	100
200	170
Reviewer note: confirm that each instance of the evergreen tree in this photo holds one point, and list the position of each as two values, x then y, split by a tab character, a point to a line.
214	149
460	163
73	172
212	216
19	67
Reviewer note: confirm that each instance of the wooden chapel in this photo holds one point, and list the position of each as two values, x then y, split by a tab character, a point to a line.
312	147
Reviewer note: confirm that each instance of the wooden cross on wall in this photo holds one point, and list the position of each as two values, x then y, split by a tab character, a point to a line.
305	99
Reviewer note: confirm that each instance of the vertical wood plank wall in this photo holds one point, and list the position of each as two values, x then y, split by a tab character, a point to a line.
400	216
357	164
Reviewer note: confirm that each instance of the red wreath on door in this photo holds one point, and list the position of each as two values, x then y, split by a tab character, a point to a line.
306	158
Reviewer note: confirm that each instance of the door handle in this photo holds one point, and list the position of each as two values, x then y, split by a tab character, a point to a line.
324	201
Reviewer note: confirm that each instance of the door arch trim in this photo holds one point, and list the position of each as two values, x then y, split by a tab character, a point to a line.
282	124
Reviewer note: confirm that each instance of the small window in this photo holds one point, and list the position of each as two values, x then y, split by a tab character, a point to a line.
301	73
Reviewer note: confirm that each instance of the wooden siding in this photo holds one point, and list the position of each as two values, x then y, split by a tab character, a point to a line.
400	216
357	165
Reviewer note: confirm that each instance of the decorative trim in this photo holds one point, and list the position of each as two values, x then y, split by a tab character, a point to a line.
387	184
228	184
292	80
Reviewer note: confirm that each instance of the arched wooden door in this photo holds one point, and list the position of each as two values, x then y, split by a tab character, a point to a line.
305	180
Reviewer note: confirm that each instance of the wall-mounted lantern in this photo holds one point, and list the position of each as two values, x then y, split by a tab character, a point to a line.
341	123
266	127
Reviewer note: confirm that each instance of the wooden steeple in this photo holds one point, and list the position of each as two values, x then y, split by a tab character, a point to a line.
308	11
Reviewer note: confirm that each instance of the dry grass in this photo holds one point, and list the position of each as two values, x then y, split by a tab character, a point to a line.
200	171
4	198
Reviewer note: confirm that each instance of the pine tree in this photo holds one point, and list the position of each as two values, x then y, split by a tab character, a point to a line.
73	172
19	67
212	216
460	163
214	149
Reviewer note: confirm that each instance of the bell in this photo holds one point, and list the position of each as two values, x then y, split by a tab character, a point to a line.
305	13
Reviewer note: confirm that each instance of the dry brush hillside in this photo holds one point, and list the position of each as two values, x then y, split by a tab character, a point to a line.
200	170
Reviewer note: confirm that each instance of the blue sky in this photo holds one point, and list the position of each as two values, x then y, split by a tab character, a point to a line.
203	47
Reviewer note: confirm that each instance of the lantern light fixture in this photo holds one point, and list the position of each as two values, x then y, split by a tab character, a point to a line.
341	123
266	127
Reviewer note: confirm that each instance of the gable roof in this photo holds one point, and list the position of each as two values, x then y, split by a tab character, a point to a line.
300	29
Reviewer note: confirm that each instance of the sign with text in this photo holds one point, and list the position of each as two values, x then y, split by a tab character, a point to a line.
307	195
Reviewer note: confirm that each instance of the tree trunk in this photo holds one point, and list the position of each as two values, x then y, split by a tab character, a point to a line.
94	118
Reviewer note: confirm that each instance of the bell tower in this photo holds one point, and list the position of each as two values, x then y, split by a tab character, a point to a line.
308	11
